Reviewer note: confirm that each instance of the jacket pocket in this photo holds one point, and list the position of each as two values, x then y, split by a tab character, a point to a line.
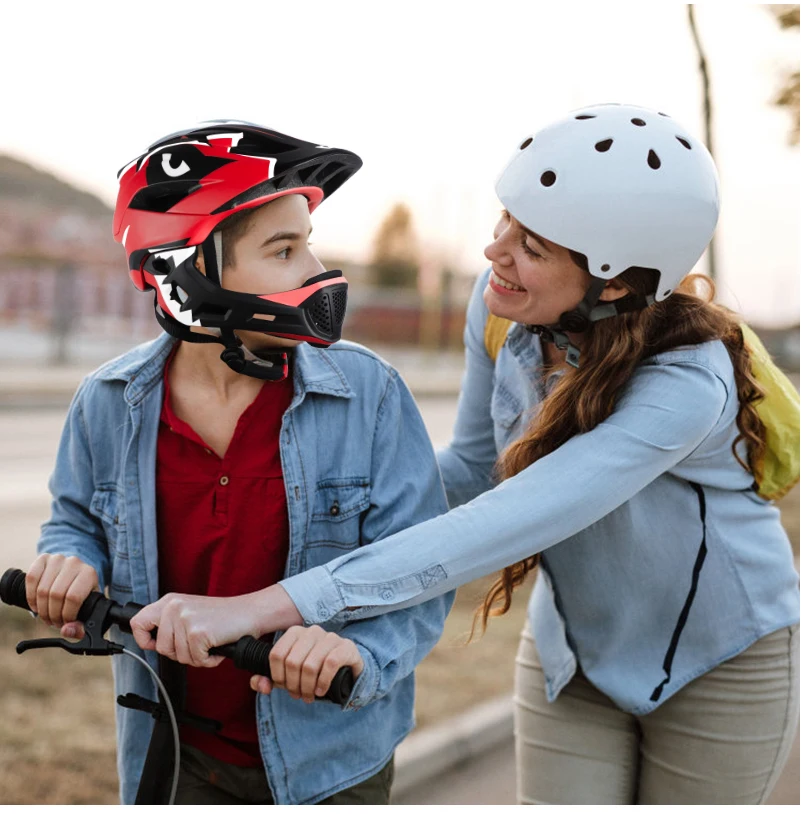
505	407
107	505
335	525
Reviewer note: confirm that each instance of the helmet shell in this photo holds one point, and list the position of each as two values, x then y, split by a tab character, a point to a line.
624	185
184	185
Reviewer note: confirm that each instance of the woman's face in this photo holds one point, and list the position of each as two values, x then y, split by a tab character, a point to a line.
533	281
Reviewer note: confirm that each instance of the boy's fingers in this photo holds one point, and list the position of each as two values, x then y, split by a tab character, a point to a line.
345	654
313	664
32	578
43	589
83	584
73	630
293	663
279	652
261	684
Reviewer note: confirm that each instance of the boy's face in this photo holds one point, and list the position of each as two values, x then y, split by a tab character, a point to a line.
271	255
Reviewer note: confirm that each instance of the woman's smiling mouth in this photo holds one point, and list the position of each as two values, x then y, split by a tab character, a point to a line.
502	286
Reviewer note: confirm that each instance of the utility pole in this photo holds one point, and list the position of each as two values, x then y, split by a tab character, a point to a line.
707	116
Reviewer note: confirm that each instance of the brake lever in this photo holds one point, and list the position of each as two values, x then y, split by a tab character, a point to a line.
93	642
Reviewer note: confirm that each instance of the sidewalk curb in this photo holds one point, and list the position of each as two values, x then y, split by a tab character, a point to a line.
434	750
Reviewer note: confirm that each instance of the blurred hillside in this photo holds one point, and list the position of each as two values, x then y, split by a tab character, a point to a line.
23	185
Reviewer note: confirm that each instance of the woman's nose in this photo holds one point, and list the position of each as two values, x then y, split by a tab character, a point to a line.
497	253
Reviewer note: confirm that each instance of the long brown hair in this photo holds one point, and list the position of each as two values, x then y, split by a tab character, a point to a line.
611	350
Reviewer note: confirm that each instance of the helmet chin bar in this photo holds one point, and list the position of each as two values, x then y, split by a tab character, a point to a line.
314	317
584	314
312	313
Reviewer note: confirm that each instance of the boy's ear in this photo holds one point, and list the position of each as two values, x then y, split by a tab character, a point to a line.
613	290
200	263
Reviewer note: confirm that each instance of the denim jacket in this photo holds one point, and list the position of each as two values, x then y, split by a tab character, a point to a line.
353	435
659	561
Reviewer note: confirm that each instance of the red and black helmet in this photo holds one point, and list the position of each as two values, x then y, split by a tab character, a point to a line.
172	198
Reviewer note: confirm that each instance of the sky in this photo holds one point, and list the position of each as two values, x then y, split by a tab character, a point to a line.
434	96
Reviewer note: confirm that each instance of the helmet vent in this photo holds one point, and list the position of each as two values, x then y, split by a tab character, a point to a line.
653	160
307	172
526	143
340	300
585	116
548	178
684	142
605	267
638	122
321	315
603	146
665	115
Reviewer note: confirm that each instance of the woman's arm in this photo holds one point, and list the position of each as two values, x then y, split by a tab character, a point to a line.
466	463
666	412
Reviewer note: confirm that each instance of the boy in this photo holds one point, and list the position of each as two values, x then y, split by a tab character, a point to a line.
183	471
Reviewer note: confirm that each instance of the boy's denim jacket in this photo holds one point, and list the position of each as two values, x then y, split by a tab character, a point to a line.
352	435
659	561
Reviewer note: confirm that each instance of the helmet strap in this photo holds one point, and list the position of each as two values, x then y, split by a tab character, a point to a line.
274	366
584	314
212	258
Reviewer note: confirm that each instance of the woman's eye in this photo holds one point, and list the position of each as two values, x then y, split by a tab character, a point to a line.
283	254
528	250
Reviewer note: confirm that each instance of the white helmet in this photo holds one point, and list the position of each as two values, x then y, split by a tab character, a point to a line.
623	185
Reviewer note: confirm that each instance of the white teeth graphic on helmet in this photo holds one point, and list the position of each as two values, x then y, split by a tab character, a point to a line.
505	284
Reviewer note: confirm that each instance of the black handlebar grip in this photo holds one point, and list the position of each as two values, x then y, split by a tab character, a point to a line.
254	655
248	653
12	589
12	592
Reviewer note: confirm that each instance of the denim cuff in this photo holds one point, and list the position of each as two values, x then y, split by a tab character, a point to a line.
366	685
314	594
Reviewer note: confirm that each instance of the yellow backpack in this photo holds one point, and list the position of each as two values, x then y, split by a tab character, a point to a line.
779	410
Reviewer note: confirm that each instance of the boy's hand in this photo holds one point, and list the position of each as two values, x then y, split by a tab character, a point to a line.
305	660
56	587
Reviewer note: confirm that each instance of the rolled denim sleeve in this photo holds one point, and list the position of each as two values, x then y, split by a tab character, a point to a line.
467	462
406	489
665	413
72	530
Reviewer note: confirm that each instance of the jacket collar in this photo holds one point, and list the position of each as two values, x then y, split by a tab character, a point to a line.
315	370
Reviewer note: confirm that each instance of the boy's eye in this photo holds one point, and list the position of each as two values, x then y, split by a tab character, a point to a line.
283	254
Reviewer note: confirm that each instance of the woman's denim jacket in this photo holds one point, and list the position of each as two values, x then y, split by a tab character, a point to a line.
659	561
352	436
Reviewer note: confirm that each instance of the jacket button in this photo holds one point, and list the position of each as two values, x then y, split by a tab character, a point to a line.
334	510
224	480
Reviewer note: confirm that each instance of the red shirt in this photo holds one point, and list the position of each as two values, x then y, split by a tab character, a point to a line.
223	531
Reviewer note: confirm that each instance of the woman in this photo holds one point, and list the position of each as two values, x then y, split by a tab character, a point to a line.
660	662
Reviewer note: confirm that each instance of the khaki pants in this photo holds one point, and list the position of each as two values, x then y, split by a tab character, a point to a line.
722	739
206	781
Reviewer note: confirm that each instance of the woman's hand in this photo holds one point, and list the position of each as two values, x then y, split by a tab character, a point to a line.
188	626
305	660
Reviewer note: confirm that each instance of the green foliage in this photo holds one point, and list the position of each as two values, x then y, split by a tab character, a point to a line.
787	16
394	260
